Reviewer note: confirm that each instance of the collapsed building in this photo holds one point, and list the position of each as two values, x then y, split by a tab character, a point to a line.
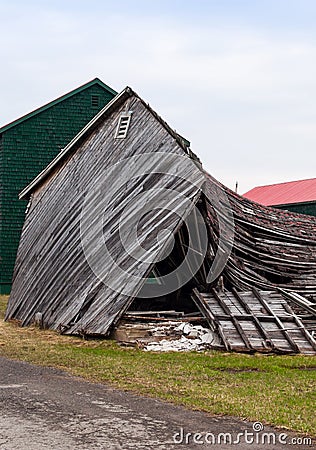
124	227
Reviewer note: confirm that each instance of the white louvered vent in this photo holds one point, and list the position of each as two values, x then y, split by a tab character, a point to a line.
123	125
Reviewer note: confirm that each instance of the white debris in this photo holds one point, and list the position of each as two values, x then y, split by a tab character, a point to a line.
207	338
193	334
187	328
181	326
191	338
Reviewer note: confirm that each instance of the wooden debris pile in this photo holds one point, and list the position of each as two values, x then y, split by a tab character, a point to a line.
192	338
167	336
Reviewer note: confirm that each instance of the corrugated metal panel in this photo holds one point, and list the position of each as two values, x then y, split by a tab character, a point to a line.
284	193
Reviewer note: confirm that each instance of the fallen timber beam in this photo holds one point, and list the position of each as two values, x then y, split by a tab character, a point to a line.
277	320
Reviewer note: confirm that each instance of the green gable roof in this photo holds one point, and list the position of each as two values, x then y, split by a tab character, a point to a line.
95	81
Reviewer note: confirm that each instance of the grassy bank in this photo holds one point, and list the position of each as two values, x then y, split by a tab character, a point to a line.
279	390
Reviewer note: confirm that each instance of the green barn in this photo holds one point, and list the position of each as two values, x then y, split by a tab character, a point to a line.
27	146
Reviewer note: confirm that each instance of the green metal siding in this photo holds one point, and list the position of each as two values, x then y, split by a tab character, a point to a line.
301	208
28	148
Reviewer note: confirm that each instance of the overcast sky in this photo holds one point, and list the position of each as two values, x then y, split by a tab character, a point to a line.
236	77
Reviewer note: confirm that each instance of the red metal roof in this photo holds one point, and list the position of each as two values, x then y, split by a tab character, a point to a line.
284	193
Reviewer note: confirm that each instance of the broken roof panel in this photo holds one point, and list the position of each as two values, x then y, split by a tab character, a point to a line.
250	321
271	247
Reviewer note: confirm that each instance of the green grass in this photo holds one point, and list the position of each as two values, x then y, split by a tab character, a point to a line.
276	390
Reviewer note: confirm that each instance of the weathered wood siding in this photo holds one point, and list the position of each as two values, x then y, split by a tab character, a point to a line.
51	273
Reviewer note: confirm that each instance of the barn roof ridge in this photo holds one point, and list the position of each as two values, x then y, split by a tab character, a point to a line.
109	107
55	102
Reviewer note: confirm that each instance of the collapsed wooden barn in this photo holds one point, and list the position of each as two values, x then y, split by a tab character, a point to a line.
125	223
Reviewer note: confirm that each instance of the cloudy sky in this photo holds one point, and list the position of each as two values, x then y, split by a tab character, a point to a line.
236	77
